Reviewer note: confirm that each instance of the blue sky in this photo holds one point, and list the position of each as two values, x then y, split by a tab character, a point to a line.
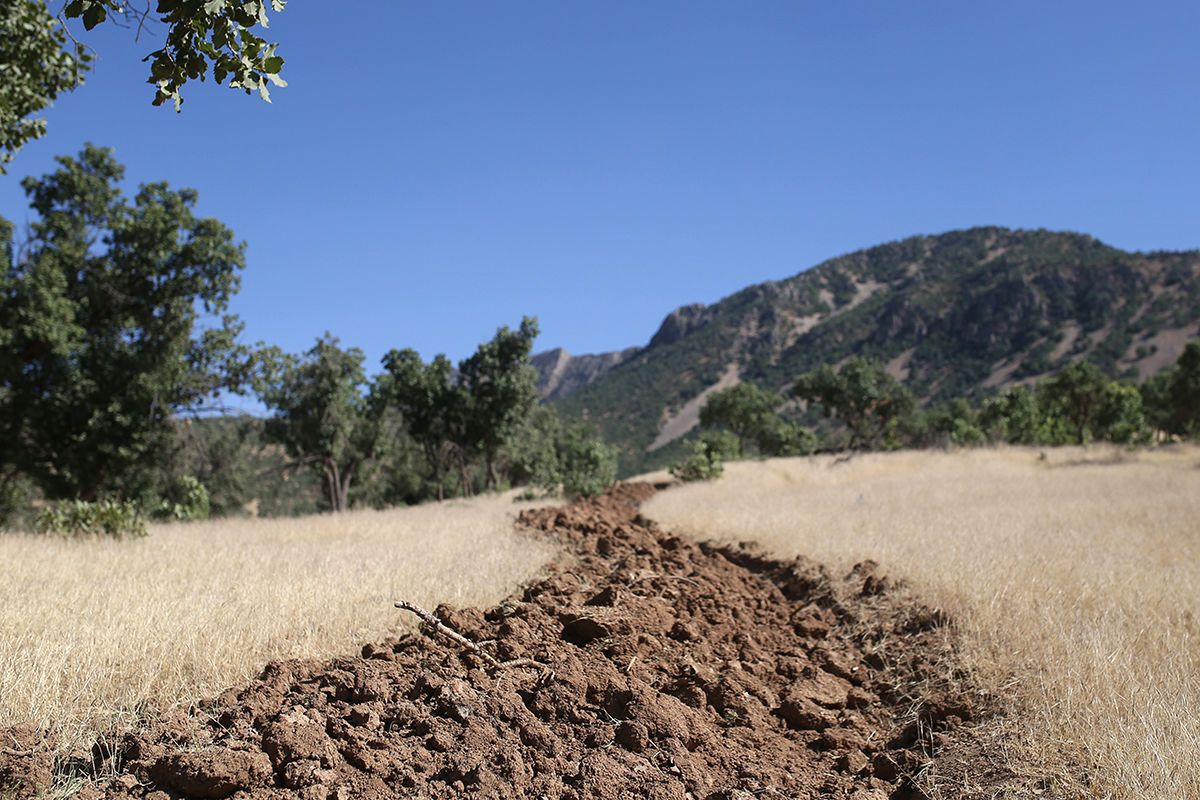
438	169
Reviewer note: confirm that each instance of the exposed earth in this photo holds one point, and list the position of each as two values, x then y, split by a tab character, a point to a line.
646	666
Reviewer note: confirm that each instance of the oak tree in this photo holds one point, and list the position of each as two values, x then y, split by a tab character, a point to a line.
322	419
501	386
861	394
432	407
749	412
101	334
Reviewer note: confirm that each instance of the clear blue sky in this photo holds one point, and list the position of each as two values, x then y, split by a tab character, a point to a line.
437	169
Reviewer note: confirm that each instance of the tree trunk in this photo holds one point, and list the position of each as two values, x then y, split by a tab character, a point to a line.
346	488
333	486
437	463
493	478
467	489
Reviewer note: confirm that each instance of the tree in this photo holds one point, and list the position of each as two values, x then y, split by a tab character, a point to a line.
1075	395
432	408
749	413
1183	392
1121	418
322	420
100	340
706	456
587	464
531	453
222	453
36	64
1156	401
1014	417
502	388
35	68
861	394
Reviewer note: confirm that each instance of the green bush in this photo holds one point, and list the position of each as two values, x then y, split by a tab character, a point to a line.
532	452
966	434
706	457
1122	418
186	502
17	494
587	465
119	519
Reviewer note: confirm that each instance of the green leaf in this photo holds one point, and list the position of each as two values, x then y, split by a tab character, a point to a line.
272	65
94	15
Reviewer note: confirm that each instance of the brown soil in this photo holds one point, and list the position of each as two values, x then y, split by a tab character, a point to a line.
664	669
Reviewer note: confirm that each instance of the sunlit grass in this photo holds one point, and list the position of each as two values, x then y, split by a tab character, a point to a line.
1074	579
92	630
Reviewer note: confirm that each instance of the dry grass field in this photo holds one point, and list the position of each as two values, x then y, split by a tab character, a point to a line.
1074	580
92	630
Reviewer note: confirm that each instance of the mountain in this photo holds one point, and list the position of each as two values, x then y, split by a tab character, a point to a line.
961	314
560	373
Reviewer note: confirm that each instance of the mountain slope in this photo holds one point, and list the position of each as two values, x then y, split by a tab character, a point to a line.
964	313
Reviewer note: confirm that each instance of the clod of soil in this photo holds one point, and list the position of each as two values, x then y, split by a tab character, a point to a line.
672	670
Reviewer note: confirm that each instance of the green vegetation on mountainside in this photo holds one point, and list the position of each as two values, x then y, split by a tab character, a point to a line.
959	315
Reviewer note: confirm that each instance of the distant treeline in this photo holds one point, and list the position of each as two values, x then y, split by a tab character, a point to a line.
871	410
107	374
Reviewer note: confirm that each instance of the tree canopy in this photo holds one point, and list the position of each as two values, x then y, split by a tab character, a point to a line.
862	394
214	37
323	419
36	66
432	407
750	413
502	387
100	326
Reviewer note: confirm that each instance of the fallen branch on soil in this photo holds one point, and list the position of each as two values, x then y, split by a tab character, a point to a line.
441	627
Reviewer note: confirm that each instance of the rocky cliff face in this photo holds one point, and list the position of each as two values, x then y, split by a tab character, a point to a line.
680	322
560	373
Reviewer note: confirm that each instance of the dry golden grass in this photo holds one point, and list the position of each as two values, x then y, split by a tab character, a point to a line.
1075	581
94	629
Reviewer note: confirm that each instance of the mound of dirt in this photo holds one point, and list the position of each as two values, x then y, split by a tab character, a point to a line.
647	666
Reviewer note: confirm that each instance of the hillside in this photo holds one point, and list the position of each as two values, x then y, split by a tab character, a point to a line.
961	314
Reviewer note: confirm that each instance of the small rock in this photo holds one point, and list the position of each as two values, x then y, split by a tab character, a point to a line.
853	762
633	736
126	782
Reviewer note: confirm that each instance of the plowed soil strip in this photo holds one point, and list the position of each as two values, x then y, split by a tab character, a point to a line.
649	666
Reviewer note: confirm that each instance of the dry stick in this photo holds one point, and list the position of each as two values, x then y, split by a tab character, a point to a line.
458	638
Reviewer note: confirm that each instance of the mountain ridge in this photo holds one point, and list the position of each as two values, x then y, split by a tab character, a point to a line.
959	314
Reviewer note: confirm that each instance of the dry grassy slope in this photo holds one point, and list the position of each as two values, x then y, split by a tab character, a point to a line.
94	629
959	314
1070	575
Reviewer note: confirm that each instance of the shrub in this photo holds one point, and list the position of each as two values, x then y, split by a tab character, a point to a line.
532	452
118	519
965	434
187	501
706	457
17	494
1121	418
587	465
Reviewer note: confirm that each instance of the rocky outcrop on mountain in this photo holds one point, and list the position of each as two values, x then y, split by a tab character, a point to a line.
680	322
560	373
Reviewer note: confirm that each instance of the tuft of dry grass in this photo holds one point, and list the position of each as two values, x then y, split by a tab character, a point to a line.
93	630
1073	576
